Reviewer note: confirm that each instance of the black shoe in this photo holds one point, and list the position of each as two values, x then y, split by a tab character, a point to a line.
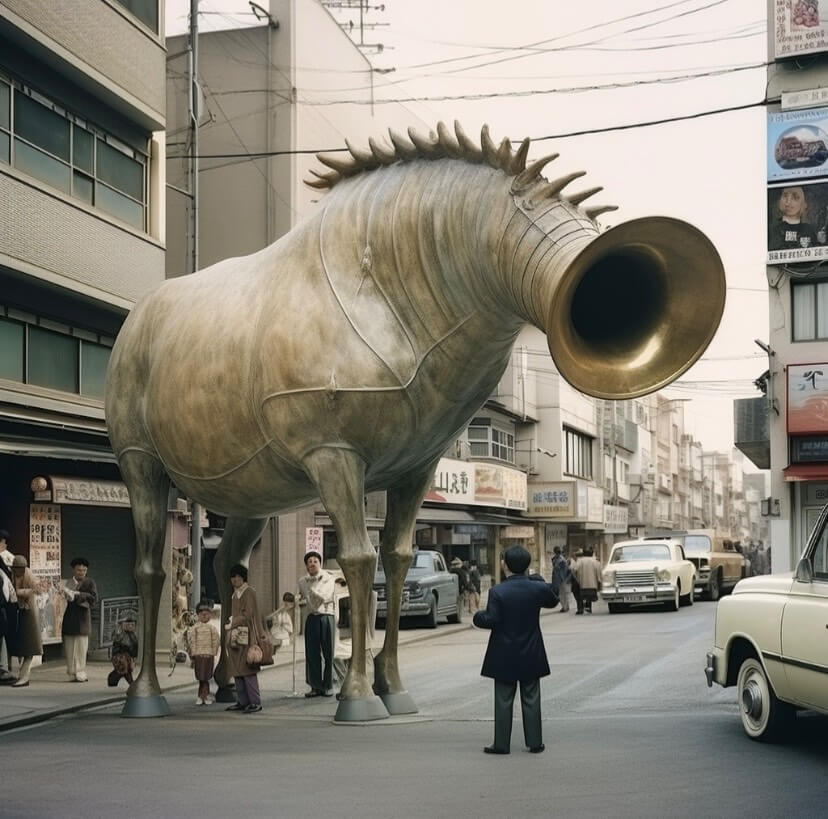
491	749
236	707
538	749
252	709
313	693
578	612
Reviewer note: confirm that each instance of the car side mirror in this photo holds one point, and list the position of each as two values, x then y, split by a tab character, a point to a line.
804	571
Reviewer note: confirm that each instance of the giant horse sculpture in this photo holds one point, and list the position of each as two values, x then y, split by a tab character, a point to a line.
348	355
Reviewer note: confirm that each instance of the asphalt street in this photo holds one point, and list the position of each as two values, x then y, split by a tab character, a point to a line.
631	730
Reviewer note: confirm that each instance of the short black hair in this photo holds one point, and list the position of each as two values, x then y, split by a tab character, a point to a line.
79	561
4	535
309	555
239	570
517	559
288	597
557	550
204	605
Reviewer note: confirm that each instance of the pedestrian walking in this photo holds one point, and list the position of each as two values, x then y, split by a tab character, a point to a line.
81	594
203	644
588	573
244	636
8	610
516	653
456	568
573	580
124	650
280	622
317	591
27	643
474	586
561	577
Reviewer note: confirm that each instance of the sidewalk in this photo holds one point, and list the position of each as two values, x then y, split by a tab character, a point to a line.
51	694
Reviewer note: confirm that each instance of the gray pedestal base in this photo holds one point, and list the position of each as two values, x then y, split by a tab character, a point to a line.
154	706
399	703
363	710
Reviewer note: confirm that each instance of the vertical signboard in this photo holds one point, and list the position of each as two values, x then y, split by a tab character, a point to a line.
314	538
798	26
44	562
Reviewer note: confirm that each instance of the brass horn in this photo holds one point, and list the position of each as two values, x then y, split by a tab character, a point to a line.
636	308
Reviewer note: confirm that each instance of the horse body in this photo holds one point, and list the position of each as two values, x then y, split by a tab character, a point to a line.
342	359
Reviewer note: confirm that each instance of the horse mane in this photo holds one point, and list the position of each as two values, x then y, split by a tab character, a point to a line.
444	144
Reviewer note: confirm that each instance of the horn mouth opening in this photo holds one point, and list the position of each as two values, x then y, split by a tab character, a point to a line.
636	308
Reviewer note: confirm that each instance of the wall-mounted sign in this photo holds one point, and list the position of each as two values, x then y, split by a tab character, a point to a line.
314	537
797	144
807	399
810	98
84	492
615	519
799	27
797	222
556	499
809	450
478	484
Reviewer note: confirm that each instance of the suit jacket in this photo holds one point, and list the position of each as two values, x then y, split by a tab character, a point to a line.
516	650
77	619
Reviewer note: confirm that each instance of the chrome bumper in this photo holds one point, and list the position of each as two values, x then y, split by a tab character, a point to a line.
638	594
411	608
709	668
715	667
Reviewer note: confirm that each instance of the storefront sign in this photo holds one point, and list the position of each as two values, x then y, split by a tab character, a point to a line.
799	27
553	500
615	519
467	482
809	450
807	399
797	145
797	222
44	561
518	532
88	492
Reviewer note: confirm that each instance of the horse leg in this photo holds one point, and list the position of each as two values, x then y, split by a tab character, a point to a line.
148	486
237	542
339	475
403	502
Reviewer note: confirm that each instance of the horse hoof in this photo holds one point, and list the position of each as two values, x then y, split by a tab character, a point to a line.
360	710
400	702
152	706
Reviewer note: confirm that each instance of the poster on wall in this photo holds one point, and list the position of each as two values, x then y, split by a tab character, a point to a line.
44	561
797	144
797	222
799	27
807	399
466	482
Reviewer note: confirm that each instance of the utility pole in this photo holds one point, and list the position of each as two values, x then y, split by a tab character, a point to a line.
194	105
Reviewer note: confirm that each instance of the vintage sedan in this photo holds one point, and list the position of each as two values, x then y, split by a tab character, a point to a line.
646	571
430	590
771	642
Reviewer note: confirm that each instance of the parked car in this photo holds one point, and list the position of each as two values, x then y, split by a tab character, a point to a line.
648	570
429	591
771	642
719	567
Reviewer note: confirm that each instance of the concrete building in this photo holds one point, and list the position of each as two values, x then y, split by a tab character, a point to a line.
82	153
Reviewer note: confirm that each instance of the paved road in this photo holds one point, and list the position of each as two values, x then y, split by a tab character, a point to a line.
631	731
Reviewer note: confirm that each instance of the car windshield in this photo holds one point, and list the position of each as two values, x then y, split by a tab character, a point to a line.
697	545
422	560
644	551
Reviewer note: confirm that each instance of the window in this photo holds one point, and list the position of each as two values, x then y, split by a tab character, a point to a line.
69	361
578	454
145	10
810	311
43	140
820	555
488	441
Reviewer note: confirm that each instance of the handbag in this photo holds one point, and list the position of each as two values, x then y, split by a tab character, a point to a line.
254	655
239	636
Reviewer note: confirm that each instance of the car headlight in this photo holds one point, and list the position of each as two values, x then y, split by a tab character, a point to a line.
414	588
663	574
609	576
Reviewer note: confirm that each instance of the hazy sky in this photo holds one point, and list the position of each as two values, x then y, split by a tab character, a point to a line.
606	67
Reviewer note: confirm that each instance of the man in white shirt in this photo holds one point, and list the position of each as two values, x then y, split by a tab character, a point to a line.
317	592
8	609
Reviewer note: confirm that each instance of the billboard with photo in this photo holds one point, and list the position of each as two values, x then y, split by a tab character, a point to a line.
798	26
797	222
797	144
808	399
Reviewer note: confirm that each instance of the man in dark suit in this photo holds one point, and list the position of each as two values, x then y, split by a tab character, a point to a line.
516	652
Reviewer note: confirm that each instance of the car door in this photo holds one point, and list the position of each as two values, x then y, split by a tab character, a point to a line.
805	630
447	590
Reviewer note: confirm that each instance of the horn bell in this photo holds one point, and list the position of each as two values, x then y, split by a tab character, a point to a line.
636	308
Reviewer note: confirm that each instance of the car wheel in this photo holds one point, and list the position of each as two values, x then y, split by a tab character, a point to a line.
687	600
715	590
615	608
431	617
457	617
764	716
673	605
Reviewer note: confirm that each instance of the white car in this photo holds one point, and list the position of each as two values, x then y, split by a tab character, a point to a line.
646	571
771	642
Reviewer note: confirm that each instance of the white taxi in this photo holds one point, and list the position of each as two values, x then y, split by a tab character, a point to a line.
771	642
646	571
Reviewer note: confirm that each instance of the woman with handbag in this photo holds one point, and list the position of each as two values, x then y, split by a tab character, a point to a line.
28	643
245	639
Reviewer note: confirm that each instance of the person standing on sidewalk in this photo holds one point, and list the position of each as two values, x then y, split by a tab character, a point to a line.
8	610
124	650
588	574
474	587
516	653
561	577
243	631
81	594
28	642
203	642
317	591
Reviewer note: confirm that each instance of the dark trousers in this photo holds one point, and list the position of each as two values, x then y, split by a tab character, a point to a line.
576	593
319	645
504	698
247	690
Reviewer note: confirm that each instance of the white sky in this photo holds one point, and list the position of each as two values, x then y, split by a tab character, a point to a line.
709	170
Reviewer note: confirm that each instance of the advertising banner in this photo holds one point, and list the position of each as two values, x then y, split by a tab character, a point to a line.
797	144
478	484
799	27
44	562
797	222
807	399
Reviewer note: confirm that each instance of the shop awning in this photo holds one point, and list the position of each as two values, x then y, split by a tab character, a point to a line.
806	472
41	449
430	515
